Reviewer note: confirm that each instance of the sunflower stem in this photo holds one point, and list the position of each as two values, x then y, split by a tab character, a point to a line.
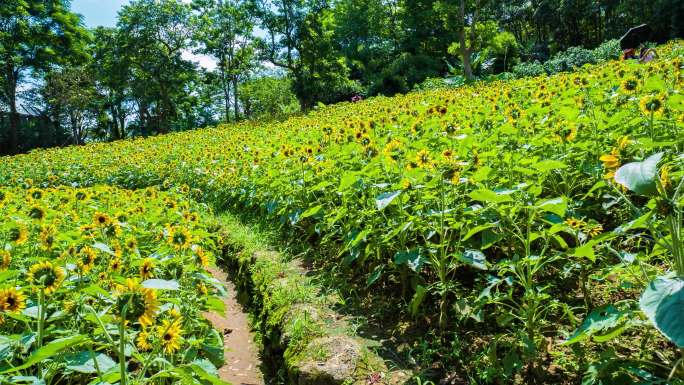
41	316
122	346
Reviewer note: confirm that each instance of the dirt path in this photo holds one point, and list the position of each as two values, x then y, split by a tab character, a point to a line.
242	365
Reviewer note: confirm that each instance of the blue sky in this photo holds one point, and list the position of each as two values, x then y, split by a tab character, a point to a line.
103	13
98	12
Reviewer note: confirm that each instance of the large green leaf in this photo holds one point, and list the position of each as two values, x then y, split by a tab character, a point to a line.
556	206
412	258
640	177
601	321
48	351
161	284
417	299
663	304
383	200
83	362
484	195
474	258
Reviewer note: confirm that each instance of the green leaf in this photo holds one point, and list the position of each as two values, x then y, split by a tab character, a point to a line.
383	200
104	248
161	284
663	304
476	230
375	275
548	165
474	258
412	258
83	362
312	212
48	351
640	177
556	206
586	251
417	299
601	321
484	195
216	305
348	180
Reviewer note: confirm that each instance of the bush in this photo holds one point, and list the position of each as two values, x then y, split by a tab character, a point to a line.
609	50
526	69
573	57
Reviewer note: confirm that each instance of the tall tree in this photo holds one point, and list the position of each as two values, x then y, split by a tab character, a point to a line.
155	35
224	31
34	35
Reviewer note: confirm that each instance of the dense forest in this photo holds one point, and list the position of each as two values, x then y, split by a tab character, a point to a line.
64	84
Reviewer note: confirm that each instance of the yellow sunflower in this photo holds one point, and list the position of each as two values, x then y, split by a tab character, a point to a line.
5	260
147	268
18	234
142	341
169	333
101	219
12	300
178	237
423	159
139	303
652	104
86	259
45	276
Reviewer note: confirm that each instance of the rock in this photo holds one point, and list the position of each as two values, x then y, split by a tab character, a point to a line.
329	361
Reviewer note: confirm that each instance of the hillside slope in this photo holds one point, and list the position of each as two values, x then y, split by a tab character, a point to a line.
491	207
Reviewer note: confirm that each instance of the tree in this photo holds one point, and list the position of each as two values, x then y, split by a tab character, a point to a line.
224	31
155	34
34	35
70	92
112	74
268	97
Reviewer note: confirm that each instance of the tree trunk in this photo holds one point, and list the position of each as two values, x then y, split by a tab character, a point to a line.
225	85
11	91
465	51
235	98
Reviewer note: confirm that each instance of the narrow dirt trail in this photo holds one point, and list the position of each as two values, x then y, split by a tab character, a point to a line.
242	362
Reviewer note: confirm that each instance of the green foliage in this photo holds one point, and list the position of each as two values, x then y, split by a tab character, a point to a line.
268	98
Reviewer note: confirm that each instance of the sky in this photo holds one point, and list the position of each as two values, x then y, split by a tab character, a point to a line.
103	13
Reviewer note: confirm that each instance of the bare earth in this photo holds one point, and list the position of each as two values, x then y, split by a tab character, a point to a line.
242	363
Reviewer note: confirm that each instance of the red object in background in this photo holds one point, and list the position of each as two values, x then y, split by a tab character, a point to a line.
629	53
356	98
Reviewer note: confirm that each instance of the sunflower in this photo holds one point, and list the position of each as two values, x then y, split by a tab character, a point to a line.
147	268
5	260
202	256
611	162
35	194
46	276
665	180
575	223
423	159
593	229
652	104
169	333
101	219
115	264
179	238
86	259
37	212
12	300
142	341
629	84
138	302
4	197
47	236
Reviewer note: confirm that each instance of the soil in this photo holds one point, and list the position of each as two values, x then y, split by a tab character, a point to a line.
242	362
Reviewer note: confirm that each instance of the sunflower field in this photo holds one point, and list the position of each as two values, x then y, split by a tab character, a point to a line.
534	225
92	274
